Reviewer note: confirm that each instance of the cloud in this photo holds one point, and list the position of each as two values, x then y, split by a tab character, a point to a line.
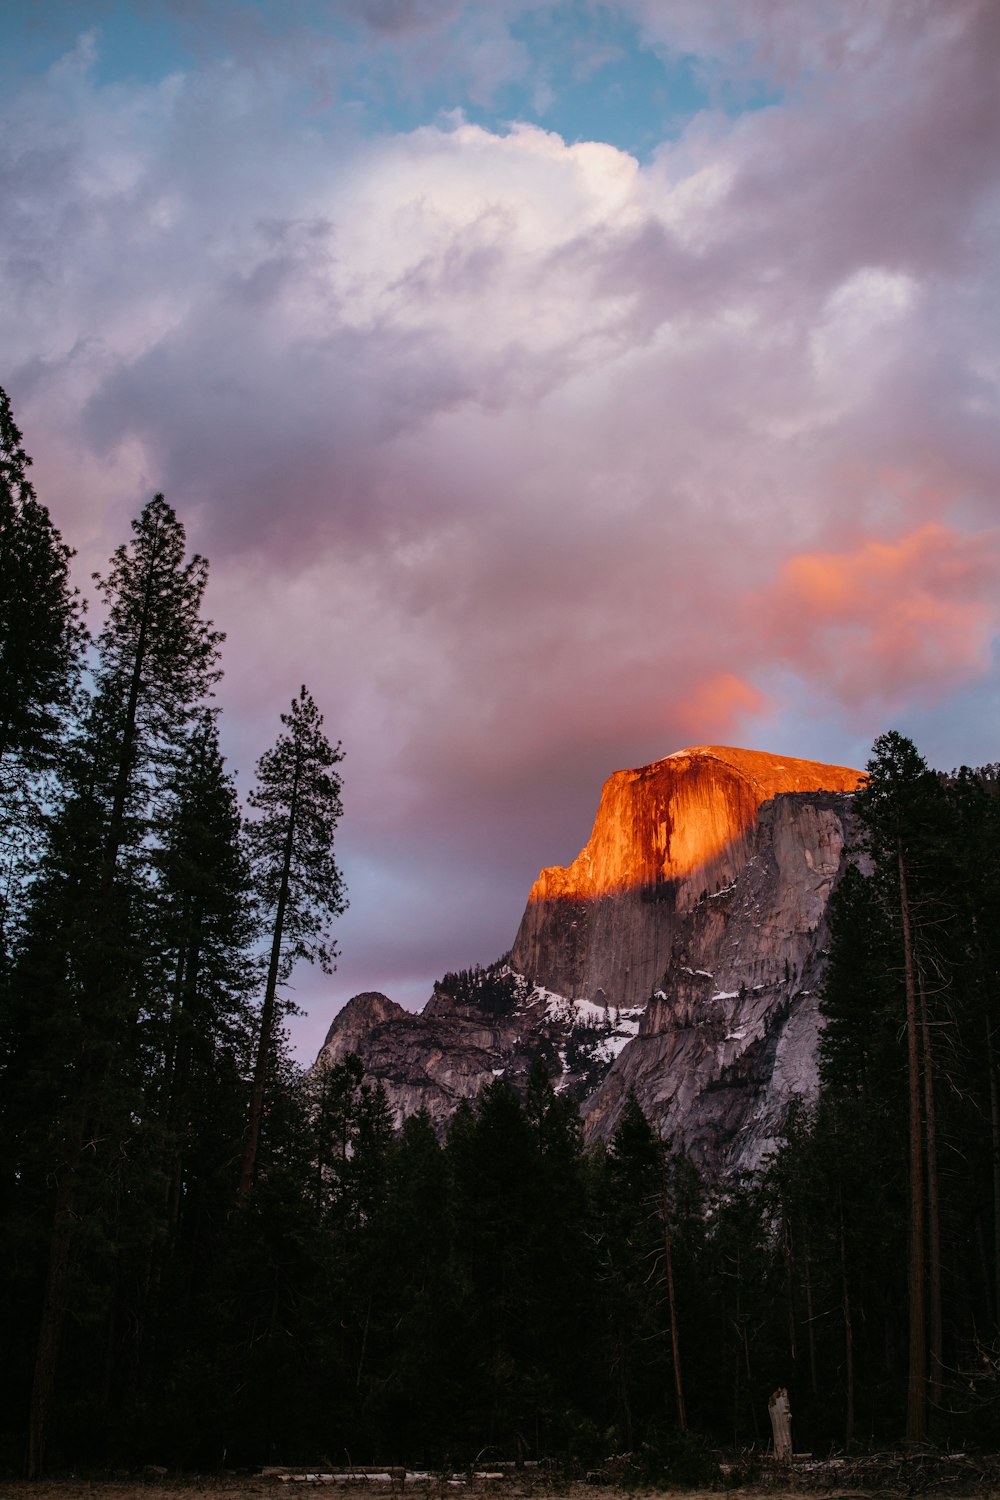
890	621
533	460
718	706
402	17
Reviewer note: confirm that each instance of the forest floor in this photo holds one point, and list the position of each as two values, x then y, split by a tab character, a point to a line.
265	1489
883	1478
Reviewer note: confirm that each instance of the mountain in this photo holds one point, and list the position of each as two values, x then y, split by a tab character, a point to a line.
679	955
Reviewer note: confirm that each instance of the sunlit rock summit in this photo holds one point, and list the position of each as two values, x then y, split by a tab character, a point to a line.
666	835
679	955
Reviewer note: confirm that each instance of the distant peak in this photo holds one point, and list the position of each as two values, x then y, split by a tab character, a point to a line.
369	1008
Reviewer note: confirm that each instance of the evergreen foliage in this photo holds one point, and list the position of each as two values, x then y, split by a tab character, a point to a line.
497	989
42	637
41	627
299	885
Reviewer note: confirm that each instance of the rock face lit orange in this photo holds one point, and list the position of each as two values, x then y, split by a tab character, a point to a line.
603	927
679	958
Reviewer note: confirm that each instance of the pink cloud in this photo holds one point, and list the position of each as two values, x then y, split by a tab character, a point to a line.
888	620
717	707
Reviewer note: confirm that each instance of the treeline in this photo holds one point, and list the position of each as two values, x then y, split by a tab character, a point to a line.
208	1258
888	1194
495	990
145	931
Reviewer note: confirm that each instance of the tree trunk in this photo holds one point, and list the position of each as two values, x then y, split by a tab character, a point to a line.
781	1425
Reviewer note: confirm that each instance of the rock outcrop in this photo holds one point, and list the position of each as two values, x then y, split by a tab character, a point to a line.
665	834
450	1051
678	956
731	1031
430	1060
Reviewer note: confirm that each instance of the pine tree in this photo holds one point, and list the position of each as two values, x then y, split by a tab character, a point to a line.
493	1165
203	930
157	663
422	1297
899	806
974	803
41	642
206	919
834	1223
631	1244
299	883
41	629
564	1321
90	951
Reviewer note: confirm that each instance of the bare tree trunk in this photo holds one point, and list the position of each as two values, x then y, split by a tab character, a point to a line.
781	1424
916	1391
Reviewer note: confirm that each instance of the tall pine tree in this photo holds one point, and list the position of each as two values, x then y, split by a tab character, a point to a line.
41	643
41	629
90	952
297	799
899	807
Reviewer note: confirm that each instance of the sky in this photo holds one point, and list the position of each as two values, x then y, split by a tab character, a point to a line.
551	386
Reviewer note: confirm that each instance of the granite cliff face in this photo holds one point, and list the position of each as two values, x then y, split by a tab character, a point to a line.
678	955
731	1032
664	834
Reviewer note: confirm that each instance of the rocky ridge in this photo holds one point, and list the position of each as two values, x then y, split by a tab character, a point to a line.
679	956
451	1050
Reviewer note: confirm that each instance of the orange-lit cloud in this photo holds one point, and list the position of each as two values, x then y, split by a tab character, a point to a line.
889	619
718	707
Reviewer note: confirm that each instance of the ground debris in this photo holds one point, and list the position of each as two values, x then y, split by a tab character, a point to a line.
749	1476
856	1477
383	1475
